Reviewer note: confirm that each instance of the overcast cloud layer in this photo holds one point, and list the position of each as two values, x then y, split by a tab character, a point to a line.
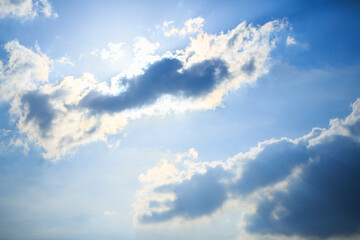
306	187
78	110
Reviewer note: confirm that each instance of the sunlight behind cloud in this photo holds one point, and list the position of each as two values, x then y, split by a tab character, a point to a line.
78	110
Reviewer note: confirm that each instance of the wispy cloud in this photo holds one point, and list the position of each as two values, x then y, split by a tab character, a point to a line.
66	61
191	26
114	52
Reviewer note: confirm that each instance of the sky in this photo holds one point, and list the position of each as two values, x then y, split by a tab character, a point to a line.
179	119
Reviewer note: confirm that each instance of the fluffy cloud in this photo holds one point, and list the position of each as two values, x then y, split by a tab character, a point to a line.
25	71
304	187
59	117
26	9
191	26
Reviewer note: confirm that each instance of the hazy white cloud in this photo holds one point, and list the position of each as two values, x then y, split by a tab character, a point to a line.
27	9
19	142
290	41
348	127
144	54
60	117
4	132
191	26
109	213
114	52
66	61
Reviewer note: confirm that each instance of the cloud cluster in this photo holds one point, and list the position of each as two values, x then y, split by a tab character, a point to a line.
61	116
26	9
305	187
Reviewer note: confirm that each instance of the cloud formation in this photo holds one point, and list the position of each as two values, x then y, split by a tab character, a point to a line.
191	26
27	9
25	71
162	77
66	61
305	187
114	52
78	110
290	41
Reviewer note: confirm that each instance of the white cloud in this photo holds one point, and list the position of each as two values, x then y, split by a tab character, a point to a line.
114	52
109	213
50	115
290	41
25	71
26	9
66	61
346	127
191	26
144	54
18	142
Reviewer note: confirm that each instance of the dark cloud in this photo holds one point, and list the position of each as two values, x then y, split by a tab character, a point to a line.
324	202
163	77
272	165
40	110
249	67
202	195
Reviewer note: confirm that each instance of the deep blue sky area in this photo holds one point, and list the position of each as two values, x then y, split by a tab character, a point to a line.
112	126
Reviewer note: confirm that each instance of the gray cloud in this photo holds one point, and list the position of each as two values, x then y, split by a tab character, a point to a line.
249	67
39	110
162	77
272	165
202	195
321	201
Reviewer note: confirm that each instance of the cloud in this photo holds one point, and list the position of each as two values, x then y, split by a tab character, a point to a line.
191	26
290	41
323	202
305	187
201	195
162	77
39	110
114	52
25	71
62	116
207	68
26	9
66	61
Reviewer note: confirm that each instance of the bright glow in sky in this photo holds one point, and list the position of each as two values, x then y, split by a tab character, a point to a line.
179	119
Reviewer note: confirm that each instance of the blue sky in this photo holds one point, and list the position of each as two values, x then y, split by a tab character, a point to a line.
179	119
